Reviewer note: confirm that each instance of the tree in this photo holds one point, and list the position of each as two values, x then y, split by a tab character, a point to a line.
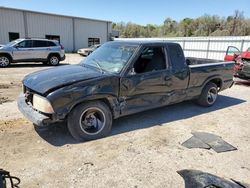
186	27
205	25
169	27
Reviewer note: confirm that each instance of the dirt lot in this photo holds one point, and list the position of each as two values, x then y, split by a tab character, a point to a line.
143	150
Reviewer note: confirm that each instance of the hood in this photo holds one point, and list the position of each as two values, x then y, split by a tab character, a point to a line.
4	47
49	79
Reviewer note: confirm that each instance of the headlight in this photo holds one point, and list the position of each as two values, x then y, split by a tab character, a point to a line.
42	104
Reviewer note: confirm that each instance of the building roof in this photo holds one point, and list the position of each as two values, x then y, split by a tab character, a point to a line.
52	14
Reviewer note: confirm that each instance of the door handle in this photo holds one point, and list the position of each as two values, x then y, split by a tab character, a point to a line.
168	81
167	78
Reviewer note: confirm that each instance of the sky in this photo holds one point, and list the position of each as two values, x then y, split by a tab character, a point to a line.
137	11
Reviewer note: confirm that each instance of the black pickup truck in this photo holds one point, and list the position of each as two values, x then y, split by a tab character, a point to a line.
118	79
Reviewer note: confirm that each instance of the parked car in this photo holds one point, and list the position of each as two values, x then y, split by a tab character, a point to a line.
242	61
32	50
118	79
87	51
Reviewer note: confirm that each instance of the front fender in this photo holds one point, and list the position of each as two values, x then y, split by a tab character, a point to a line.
63	100
110	100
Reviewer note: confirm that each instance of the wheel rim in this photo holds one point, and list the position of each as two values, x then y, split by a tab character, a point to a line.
211	95
92	121
54	60
4	61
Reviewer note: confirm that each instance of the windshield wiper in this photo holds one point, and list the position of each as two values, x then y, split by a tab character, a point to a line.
98	65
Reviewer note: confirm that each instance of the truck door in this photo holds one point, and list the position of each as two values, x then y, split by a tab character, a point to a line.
232	53
147	82
179	71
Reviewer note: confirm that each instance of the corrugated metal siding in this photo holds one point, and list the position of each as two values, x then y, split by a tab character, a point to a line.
40	25
109	31
10	21
85	29
205	47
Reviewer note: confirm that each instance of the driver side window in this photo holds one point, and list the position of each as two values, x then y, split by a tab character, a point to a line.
25	44
151	59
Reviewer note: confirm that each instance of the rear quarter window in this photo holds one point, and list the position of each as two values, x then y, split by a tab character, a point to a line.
176	56
51	43
40	43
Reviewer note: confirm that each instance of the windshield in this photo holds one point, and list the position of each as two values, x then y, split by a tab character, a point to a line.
110	57
12	43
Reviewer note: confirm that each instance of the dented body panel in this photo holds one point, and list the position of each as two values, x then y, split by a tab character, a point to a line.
126	93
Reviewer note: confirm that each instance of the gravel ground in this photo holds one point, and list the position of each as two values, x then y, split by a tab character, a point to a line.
143	150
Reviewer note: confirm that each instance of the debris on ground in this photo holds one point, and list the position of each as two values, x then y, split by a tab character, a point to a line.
4	99
206	141
199	179
4	86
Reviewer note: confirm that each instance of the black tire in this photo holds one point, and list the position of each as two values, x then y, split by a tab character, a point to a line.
90	121
53	60
209	95
4	61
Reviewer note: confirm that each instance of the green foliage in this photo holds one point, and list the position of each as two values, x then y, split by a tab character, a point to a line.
206	25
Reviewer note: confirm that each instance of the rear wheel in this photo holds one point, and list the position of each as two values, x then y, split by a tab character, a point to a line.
90	121
209	95
53	60
4	61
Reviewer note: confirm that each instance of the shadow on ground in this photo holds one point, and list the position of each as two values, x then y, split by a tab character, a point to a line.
243	83
29	65
58	134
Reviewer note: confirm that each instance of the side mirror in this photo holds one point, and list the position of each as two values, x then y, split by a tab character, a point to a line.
132	72
17	46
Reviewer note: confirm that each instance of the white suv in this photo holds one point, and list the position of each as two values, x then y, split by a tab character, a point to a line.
32	50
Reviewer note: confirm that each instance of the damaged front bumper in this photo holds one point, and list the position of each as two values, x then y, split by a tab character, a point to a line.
34	116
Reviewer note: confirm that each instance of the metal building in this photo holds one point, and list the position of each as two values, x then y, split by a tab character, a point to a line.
72	32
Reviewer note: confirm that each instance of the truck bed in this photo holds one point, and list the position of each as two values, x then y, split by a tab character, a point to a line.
198	61
204	69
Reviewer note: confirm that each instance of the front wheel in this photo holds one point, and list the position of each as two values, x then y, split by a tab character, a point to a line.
90	121
209	95
4	61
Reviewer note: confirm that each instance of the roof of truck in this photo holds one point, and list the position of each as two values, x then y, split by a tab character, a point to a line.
141	42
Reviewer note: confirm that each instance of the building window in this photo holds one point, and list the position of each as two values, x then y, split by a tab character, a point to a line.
53	37
93	41
13	36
